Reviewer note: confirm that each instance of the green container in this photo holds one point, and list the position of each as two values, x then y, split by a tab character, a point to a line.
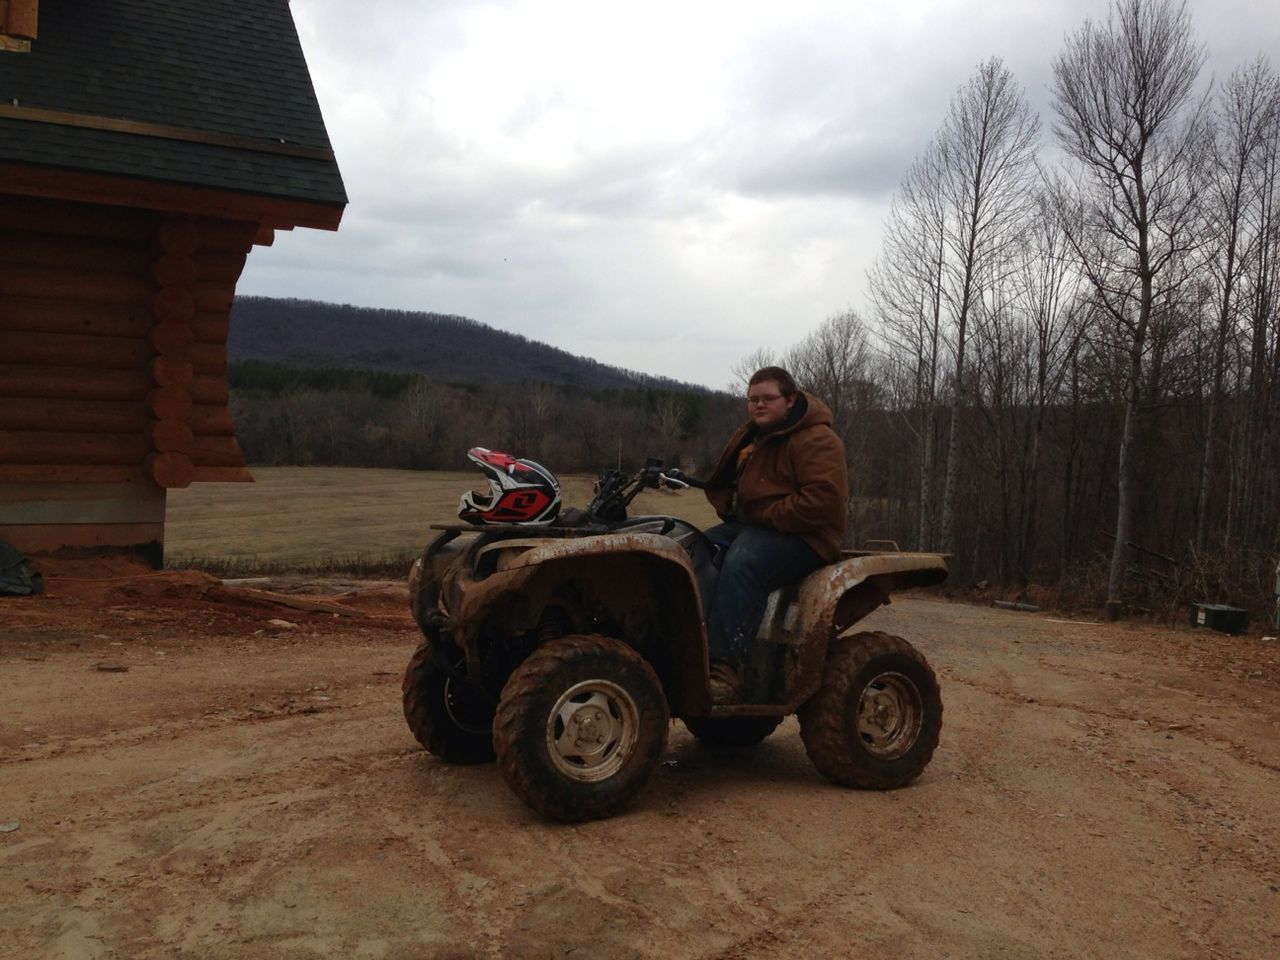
1220	617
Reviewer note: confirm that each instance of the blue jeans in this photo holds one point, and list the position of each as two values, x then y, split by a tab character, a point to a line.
759	561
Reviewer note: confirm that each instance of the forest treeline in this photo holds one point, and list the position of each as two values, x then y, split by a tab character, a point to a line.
1069	373
1081	346
353	417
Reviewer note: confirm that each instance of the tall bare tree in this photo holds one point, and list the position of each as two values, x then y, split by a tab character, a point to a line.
906	290
1023	334
1251	512
1128	117
1247	115
955	220
987	157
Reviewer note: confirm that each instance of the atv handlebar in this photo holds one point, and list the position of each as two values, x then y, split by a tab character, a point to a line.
615	490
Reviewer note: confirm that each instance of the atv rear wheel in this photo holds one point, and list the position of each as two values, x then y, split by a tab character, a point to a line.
731	731
449	717
875	721
580	726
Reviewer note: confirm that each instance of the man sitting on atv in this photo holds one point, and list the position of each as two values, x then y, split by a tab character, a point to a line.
782	488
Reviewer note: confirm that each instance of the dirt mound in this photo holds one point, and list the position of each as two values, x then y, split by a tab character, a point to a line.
145	585
79	565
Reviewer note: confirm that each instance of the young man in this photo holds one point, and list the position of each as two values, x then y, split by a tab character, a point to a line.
782	488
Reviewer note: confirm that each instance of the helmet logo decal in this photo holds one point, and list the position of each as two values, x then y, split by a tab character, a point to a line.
520	491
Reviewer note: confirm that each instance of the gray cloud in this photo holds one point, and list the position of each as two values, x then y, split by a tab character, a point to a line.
572	195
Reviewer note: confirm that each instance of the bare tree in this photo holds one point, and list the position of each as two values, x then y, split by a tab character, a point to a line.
834	362
1247	115
906	289
742	370
955	219
986	154
1128	118
668	420
1048	295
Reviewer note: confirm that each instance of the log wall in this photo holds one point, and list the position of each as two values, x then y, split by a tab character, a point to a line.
113	334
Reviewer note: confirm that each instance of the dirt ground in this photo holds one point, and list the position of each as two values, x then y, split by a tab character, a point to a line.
189	770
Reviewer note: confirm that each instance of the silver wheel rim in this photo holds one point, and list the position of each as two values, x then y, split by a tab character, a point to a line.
890	713
591	730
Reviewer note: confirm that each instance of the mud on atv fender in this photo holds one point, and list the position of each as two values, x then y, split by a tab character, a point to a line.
632	585
834	598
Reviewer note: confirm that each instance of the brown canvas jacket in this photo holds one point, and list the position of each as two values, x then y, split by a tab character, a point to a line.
795	481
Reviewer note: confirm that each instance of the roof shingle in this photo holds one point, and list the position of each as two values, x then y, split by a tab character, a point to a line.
226	68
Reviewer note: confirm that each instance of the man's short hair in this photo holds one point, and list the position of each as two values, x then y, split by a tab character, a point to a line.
786	383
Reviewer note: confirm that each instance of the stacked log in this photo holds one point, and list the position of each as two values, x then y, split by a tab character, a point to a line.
113	328
174	306
216	453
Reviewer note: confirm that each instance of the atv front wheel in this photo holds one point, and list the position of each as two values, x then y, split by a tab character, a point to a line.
731	731
448	716
875	721
580	726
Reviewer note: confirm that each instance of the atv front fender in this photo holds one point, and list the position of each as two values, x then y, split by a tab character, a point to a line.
638	587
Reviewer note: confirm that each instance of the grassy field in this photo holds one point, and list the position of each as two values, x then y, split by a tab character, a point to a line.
342	518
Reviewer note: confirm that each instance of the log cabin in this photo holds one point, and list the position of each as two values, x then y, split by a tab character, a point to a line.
145	148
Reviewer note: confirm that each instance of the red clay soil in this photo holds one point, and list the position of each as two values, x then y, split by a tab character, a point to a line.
190	769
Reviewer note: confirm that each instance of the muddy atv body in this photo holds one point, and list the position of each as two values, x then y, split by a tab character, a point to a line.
563	653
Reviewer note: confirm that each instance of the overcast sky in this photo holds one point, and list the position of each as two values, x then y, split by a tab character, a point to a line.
663	186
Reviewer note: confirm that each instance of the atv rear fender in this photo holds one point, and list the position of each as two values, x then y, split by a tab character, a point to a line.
830	601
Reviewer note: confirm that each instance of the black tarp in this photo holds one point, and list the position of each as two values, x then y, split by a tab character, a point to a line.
18	578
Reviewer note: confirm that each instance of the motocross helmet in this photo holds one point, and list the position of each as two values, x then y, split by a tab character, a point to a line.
520	491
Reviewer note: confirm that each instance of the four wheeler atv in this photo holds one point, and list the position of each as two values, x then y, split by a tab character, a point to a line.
563	650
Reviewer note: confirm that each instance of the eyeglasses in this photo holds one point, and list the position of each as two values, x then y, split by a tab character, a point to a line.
764	399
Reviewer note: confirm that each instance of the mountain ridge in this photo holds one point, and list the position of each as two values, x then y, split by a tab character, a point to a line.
313	333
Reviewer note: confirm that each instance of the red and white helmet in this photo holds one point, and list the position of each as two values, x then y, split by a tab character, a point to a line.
520	491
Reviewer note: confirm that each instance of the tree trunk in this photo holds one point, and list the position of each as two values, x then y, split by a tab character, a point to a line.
1127	472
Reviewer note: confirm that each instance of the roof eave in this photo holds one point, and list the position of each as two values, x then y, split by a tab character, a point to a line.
272	212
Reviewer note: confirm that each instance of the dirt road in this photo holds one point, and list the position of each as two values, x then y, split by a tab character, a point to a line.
248	789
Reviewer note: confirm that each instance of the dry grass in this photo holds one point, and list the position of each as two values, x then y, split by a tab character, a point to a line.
342	519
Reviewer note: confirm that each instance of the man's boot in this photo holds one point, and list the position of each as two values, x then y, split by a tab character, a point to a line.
726	683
